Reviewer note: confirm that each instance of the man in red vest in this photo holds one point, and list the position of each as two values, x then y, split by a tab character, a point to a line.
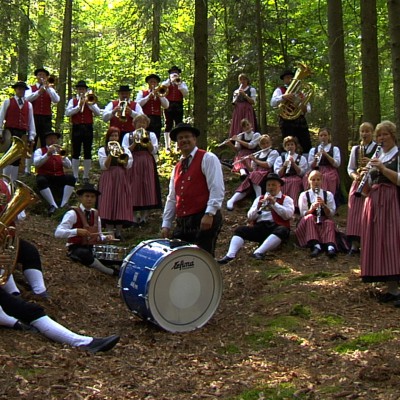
292	127
50	162
177	90
17	114
152	102
270	215
121	112
81	110
196	193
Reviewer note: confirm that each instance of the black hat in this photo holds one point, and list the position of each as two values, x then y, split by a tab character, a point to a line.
81	84
88	187
183	127
37	70
20	84
153	76
124	88
49	133
174	69
287	72
274	177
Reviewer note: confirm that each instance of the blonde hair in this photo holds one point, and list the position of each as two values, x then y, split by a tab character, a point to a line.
366	125
389	126
242	75
264	138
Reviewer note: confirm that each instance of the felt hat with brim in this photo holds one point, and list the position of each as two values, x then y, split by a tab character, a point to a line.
37	70
174	69
274	177
81	84
153	76
183	127
287	72
88	187
49	133
124	88
20	84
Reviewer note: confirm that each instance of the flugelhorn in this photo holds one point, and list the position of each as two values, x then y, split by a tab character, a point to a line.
141	136
117	152
161	91
176	79
121	115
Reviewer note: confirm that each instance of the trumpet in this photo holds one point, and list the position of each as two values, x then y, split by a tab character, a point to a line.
176	79
140	136
51	81
59	150
121	115
118	152
88	98
161	91
241	159
319	209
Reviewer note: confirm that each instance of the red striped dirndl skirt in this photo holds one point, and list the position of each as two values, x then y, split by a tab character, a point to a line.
242	164
293	187
256	178
354	212
308	229
330	179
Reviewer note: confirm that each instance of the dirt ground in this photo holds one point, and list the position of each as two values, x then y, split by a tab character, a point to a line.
277	333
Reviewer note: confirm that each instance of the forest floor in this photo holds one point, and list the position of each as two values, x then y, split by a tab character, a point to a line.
288	327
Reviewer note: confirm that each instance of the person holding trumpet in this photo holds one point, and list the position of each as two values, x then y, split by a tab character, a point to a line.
153	100
81	226
50	161
269	218
81	110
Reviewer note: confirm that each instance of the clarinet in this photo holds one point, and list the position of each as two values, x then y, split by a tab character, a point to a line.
364	179
289	163
264	204
319	209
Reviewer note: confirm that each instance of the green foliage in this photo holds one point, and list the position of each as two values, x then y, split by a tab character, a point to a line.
299	310
283	391
330	320
366	341
167	161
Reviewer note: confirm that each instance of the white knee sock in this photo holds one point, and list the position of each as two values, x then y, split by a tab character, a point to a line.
236	197
68	190
48	196
393	287
35	279
270	243
54	331
235	245
10	286
167	140
75	167
101	267
6	320
86	168
257	190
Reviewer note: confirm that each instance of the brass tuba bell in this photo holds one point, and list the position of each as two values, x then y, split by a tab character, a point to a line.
15	152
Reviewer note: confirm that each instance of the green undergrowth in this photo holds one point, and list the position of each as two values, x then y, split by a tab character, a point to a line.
365	341
282	391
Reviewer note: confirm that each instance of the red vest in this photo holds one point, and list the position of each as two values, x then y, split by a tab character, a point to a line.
16	117
42	105
53	166
191	188
85	117
153	106
276	217
81	222
174	94
123	126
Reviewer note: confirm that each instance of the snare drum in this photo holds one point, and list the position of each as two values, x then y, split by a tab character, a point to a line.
171	284
109	252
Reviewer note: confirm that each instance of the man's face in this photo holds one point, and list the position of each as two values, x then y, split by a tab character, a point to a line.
19	91
81	90
88	199
273	187
41	76
152	82
51	139
124	95
186	141
287	79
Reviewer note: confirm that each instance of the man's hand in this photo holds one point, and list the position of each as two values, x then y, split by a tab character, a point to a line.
206	222
165	233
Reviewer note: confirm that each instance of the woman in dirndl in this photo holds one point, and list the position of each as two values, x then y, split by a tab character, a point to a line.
143	176
380	227
114	207
291	167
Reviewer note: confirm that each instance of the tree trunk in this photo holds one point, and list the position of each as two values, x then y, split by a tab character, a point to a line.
64	63
340	119
394	32
23	40
369	61
201	70
155	37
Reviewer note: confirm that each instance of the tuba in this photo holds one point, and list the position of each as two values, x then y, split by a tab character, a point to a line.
9	242
15	152
118	152
292	109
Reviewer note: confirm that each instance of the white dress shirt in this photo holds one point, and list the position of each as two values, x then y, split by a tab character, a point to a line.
71	110
327	148
285	210
32	96
303	164
143	100
103	157
108	111
303	202
39	159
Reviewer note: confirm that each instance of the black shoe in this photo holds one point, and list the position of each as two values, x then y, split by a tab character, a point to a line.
258	256
397	303
225	260
331	253
101	344
388	297
353	252
316	252
51	211
21	326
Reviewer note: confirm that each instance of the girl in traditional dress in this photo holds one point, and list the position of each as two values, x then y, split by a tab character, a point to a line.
262	164
316	228
380	228
114	207
143	176
291	167
359	157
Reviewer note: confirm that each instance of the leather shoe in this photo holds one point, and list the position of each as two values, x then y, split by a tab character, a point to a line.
101	344
51	211
331	253
21	326
258	256
315	253
225	260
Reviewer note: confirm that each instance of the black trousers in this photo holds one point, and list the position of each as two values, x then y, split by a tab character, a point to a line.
82	254
155	125
82	135
298	128
173	114
28	256
45	181
261	230
42	125
16	307
188	229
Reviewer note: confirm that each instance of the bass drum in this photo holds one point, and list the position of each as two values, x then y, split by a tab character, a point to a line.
171	284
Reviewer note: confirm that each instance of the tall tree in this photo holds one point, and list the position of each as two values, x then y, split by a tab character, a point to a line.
394	32
23	40
200	35
369	62
337	73
155	37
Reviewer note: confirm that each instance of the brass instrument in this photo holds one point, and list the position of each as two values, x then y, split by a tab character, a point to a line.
141	136
319	209
60	151
367	173
121	115
241	159
51	81
161	91
176	79
23	196
15	152
292	109
89	98
118	152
